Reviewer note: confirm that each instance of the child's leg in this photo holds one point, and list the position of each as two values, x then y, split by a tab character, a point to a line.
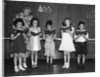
32	58
78	59
47	59
68	57
68	60
20	62
65	58
83	59
24	60
36	58
51	60
15	59
15	63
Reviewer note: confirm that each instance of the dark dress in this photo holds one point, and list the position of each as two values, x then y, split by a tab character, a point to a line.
19	45
81	47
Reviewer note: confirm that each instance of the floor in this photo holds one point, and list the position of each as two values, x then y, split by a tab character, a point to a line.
42	69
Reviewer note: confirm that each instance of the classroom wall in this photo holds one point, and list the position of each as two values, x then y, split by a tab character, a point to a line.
59	12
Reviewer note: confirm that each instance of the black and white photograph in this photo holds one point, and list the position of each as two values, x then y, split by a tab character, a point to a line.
44	38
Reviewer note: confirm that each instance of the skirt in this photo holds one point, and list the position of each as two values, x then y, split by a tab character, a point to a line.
67	43
35	43
81	48
19	45
49	49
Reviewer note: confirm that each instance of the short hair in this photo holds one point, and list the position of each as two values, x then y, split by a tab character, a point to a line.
27	8
18	20
49	22
81	22
67	18
33	19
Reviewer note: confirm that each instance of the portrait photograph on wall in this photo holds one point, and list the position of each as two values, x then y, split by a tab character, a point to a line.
43	38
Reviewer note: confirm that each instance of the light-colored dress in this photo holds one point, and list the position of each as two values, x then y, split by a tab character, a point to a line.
49	44
27	23
67	43
35	39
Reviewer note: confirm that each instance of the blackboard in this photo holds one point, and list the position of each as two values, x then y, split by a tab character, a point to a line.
59	11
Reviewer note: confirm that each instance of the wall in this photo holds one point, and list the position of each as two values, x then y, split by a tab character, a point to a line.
60	11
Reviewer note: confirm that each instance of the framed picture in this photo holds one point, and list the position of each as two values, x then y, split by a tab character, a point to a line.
42	38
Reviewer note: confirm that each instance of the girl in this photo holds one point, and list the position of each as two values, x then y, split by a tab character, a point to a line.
81	38
67	44
49	36
34	33
19	49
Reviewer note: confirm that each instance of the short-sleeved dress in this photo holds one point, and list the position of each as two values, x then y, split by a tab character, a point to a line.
19	43
26	26
81	43
67	43
49	43
35	39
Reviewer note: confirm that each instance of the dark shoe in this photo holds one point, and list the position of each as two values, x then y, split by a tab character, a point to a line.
82	67
51	65
78	66
33	66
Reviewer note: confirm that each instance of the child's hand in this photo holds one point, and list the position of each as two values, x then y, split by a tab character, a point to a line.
40	34
26	42
84	36
79	35
12	38
11	55
67	31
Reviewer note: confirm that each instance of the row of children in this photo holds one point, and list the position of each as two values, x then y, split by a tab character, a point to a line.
26	37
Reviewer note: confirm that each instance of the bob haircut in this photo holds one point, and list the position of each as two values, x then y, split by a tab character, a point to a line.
18	20
49	22
67	18
27	8
34	19
81	22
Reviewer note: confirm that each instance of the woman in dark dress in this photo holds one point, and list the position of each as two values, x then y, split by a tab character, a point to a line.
19	47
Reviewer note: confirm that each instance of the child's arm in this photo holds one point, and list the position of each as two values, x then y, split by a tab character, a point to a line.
44	36
29	33
14	37
61	32
72	31
13	26
76	37
55	37
25	37
40	32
